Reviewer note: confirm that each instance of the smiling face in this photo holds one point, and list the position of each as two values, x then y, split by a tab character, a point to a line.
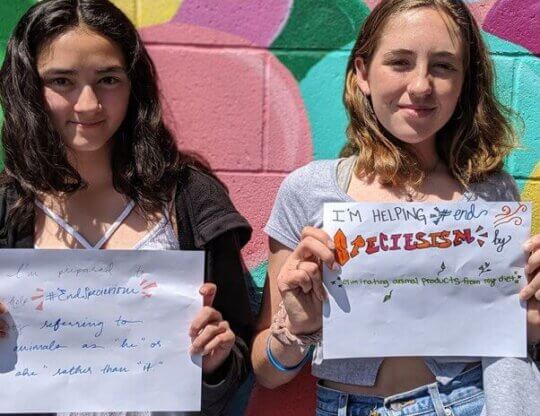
415	75
85	88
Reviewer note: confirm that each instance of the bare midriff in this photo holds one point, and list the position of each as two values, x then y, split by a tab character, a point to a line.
396	375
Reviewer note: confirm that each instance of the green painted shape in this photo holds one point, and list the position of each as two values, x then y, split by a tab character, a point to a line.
322	89
299	64
10	13
318	24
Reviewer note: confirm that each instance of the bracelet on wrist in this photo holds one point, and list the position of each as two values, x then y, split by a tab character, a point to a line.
281	367
279	330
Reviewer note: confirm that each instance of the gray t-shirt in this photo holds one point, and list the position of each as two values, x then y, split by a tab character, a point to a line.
299	203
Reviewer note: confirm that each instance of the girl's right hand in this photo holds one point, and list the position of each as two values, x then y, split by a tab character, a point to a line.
3	323
300	281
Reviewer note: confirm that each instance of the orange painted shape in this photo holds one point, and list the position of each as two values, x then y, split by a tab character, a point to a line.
340	241
358	243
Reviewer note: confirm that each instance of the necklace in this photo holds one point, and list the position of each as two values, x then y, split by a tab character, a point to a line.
409	196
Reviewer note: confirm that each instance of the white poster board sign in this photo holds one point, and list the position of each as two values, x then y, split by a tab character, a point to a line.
419	279
99	330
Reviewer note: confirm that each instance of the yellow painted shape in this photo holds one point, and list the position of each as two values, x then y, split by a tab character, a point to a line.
129	7
157	12
149	12
531	192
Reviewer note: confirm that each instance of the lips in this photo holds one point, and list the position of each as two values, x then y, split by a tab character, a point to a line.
417	110
87	123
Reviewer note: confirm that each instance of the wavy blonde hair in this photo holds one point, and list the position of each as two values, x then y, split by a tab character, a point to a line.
473	143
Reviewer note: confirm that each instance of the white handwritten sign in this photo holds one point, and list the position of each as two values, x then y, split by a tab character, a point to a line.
99	330
426	279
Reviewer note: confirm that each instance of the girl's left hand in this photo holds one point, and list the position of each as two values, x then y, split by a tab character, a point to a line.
210	335
531	292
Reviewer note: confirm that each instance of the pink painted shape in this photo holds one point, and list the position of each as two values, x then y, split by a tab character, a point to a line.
240	108
214	102
259	21
186	34
287	131
372	3
253	195
516	21
480	9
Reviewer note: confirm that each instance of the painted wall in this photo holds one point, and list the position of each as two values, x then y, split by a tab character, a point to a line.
255	86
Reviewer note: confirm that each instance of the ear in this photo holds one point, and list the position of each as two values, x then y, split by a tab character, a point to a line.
362	76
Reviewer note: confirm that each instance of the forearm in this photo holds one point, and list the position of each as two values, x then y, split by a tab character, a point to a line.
220	387
288	355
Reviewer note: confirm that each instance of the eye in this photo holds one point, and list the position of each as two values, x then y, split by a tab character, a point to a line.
59	82
445	66
109	80
398	64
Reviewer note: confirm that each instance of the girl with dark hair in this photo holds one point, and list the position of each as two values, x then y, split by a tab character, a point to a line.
424	125
89	163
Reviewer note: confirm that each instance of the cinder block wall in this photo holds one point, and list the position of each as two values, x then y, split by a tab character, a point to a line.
255	86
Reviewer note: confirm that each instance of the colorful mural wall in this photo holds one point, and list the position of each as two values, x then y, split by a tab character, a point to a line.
255	86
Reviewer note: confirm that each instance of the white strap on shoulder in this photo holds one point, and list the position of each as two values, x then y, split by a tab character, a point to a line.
83	241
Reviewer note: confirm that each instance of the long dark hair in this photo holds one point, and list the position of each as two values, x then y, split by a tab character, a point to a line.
145	160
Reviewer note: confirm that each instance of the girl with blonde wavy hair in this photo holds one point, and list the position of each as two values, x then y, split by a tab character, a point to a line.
424	126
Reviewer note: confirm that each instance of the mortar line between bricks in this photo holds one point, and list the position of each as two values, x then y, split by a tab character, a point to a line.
279	173
251	173
289	49
265	113
240	47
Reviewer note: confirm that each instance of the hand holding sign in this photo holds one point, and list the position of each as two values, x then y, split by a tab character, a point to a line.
531	292
3	323
210	335
300	281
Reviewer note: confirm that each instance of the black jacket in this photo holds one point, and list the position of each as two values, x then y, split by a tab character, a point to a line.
207	220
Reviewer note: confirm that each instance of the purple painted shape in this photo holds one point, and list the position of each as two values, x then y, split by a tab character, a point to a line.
259	21
517	21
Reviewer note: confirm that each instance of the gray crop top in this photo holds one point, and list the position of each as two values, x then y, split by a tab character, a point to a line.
299	203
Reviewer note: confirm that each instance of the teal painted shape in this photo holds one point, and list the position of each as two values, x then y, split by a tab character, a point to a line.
497	45
525	101
318	25
518	87
504	76
258	274
322	90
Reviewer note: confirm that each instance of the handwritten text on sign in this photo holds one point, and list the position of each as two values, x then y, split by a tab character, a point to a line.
426	279
99	330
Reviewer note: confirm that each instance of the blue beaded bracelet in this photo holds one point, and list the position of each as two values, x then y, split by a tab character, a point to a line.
280	367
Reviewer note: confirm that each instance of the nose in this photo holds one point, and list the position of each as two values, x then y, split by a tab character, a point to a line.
87	101
421	84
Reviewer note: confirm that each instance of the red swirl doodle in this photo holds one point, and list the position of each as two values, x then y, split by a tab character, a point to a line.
508	216
146	287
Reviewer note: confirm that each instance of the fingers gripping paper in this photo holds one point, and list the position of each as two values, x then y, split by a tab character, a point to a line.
99	330
422	279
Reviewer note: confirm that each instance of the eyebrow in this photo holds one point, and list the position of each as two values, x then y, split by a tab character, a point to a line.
442	54
64	71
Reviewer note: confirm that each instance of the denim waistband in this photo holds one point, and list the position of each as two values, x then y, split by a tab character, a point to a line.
436	394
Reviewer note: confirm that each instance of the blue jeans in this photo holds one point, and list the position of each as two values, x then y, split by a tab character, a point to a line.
463	396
